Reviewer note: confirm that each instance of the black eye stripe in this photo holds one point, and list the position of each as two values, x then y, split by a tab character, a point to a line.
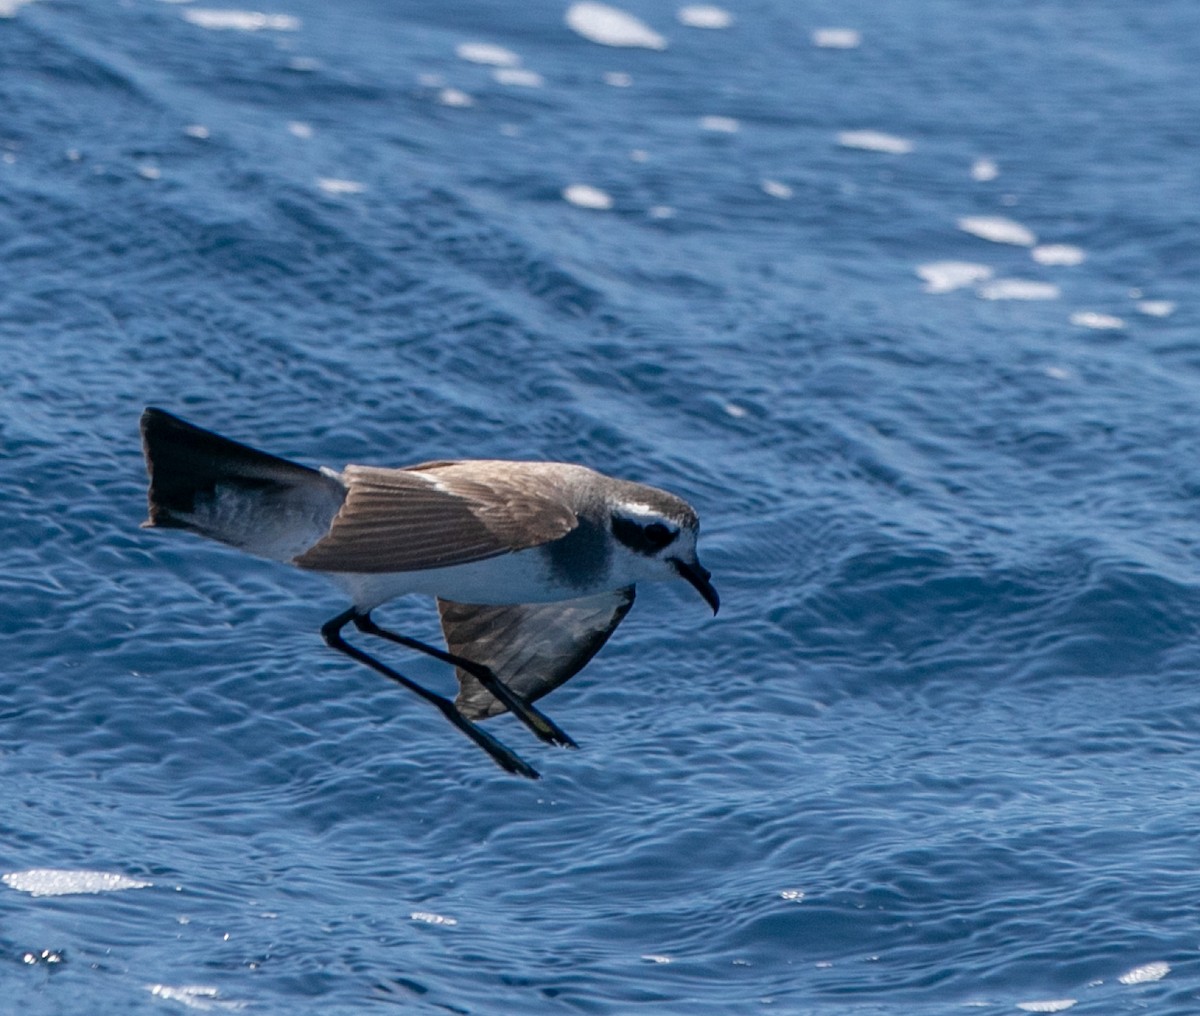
658	534
645	539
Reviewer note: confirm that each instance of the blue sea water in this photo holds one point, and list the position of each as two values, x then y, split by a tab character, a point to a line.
940	752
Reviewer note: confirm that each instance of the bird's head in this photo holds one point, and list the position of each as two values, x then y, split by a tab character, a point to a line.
658	533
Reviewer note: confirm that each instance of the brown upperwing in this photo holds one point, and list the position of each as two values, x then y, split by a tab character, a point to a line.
440	514
531	647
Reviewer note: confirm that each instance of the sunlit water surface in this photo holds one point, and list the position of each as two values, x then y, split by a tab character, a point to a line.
902	296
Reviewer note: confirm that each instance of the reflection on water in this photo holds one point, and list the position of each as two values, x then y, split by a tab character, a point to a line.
875	141
57	882
610	26
998	229
1058	254
836	38
584	195
1019	289
946	276
704	16
241	21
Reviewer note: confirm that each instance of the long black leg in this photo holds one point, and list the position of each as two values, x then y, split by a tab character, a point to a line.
534	719
331	632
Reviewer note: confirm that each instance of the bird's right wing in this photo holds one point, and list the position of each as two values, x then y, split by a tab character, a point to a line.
531	647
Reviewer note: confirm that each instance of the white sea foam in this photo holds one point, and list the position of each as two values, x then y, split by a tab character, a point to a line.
998	229
656	958
197	131
300	129
720	124
777	189
1019	289
946	276
704	16
837	38
1146	973
1097	321
618	79
241	21
875	141
610	26
66	882
486	53
1058	254
584	195
1049	1005
9	8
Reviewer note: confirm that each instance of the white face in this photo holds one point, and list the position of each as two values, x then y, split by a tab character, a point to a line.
657	548
650	540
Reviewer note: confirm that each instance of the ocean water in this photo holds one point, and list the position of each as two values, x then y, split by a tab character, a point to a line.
902	296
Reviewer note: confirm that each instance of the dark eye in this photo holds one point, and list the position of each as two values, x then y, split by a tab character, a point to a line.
648	539
658	535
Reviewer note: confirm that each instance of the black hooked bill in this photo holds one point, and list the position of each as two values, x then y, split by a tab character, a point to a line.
699	577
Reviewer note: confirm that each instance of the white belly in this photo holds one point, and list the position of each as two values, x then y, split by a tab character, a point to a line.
509	578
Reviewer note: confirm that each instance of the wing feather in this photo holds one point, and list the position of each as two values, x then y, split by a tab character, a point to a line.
531	647
440	515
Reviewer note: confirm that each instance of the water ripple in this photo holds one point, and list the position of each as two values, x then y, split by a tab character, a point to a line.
938	749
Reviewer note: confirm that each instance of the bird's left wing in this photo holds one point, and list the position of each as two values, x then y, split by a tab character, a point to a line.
531	647
439	515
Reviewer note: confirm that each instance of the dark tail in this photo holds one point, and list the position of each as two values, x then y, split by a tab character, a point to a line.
233	493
